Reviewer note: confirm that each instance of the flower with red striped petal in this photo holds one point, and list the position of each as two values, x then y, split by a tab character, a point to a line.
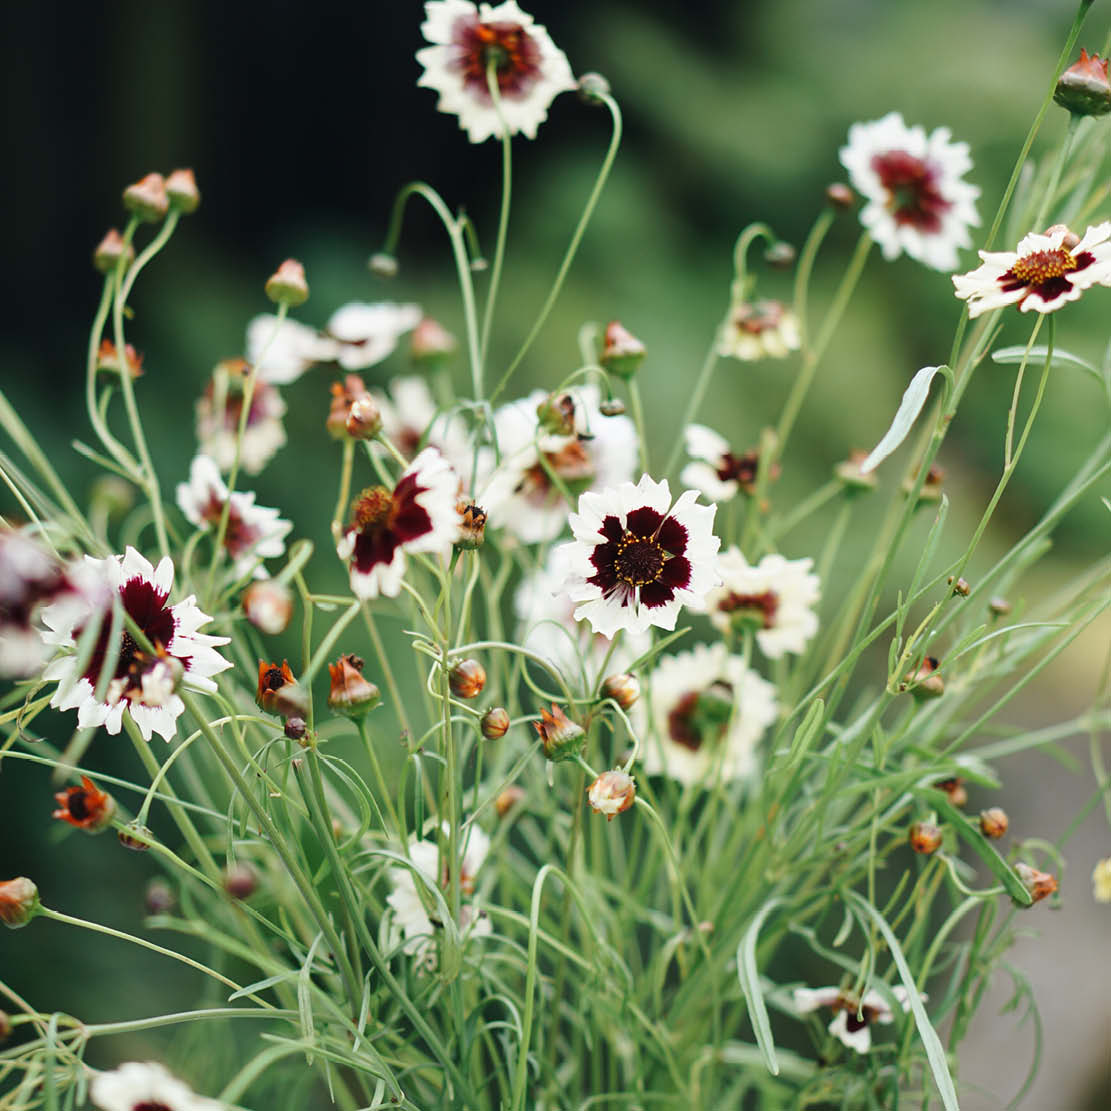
636	559
418	515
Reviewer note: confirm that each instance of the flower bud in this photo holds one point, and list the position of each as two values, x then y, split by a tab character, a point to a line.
495	723
472	526
241	880
268	605
924	837
136	837
287	285
147	198
107	358
382	264
85	807
19	902
431	344
181	188
925	682
612	407
478	265
622	352
994	822
931	485
960	586
364	420
851	477
1039	884
556	414
467	678
295	728
1083	88
508	799
999	607
110	250
955	789
611	793
160	897
840	195
624	689
344	396
562	738
351	694
781	255
593	87
278	692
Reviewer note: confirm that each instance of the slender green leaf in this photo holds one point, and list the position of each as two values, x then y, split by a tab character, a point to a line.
750	984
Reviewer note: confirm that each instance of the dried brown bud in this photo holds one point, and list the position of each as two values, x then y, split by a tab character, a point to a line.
287	285
840	195
19	902
1039	884
110	250
467	678
622	353
508	799
364	421
624	689
351	693
295	728
241	880
147	198
994	822
611	793
181	188
495	723
924	837
1084	88
268	605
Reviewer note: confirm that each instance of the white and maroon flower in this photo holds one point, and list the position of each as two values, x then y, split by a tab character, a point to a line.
363	335
759	330
146	1086
407	411
1042	275
283	352
530	70
218	413
636	559
776	599
253	532
420	514
706	712
852	1018
30	578
138	682
716	470
917	200
596	453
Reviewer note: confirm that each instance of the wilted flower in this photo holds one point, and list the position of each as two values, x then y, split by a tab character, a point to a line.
282	352
852	1017
86	806
1084	88
278	692
19	902
611	793
268	605
759	330
1101	881
30	577
365	334
147	199
138	1086
472	526
561	737
1039	884
351	693
495	723
219	411
715	470
467	678
994	822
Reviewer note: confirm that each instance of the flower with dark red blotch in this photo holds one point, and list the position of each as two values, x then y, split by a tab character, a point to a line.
351	693
759	330
278	692
636	559
715	470
220	408
561	737
1084	88
852	1017
137	1086
612	793
469	42
418	515
138	681
107	358
86	806
365	334
1044	273
30	577
19	902
913	184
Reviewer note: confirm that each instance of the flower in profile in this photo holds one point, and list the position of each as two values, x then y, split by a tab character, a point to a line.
636	559
85	807
19	902
253	532
612	793
408	411
1084	88
146	1086
561	737
364	335
220	408
775	599
418	515
139	682
469	42
281	351
30	578
351	693
715	470
706	712
852	1018
916	198
1044	273
1101	881
759	330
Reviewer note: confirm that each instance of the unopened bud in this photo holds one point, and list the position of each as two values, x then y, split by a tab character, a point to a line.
344	396
955	789
840	195
287	285
611	793
295	728
994	822
851	477
556	414
160	897
1039	884
181	188
147	198
268	605
114	495
509	798
241	880
622	353
136	837
561	737
926	682
999	607
1084	88
384	265
351	693
593	87
781	255
624	689
364	421
924	838
960	586
478	265
467	678
472	526
495	723
431	344
612	407
108	358
19	902
110	250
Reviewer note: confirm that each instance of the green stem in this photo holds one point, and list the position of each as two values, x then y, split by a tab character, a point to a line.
503	217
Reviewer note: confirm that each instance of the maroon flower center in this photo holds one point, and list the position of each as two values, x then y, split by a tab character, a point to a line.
738	468
506	47
572	465
239	536
913	196
853	1021
152	1105
77	803
638	561
643	560
385	521
272	679
701	716
763	606
759	316
147	607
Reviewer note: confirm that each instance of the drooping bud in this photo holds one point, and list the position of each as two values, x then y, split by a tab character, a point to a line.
611	793
287	285
382	264
364	421
955	789
924	837
556	414
19	902
5	1026
612	407
994	822
472	526
108	358
495	723
851	477
508	799
85	807
268	605
351	694
136	837
840	195
624	689
431	344
241	880
925	682
593	87
561	737
1084	88
467	678
181	188
110	250
160	897
278	692
781	255
147	198
622	353
1039	884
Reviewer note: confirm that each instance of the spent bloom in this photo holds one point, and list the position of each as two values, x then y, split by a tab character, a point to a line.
139	682
85	807
776	599
146	1086
637	559
468	43
1044	273
365	334
916	198
715	470
759	330
220	409
852	1018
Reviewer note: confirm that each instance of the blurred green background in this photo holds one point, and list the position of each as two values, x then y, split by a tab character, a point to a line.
302	120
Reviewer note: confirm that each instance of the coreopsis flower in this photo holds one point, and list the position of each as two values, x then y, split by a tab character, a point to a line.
715	470
253	532
282	352
410	919
364	335
408	411
1101	881
706	712
19	902
467	41
612	793
418	515
146	1086
852	1018
30	578
218	413
776	598
916	198
140	683
637	559
759	330
278	691
546	444
85	807
1044	273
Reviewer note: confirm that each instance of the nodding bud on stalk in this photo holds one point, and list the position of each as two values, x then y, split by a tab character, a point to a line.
147	198
954	788
287	285
1084	88
268	605
999	607
612	407
495	723
382	264
351	693
924	837
593	87
562	738
85	807
467	678
556	414
296	728
19	902
781	255
431	344
508	799
107	358
241	880
854	480
364	421
960	586
994	822
110	250
278	692
611	793
472	526
624	689
181	188
344	396
622	353
840	195
1039	884
136	837
925	682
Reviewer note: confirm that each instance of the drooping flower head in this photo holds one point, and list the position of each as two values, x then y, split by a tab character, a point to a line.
528	68
715	470
636	559
759	330
418	515
220	408
1042	275
852	1018
139	682
146	1086
917	200
363	335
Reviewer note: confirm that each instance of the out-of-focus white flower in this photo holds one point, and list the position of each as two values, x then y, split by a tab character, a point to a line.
715	470
407	412
852	1018
283	352
146	1086
219	410
30	578
759	330
363	335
